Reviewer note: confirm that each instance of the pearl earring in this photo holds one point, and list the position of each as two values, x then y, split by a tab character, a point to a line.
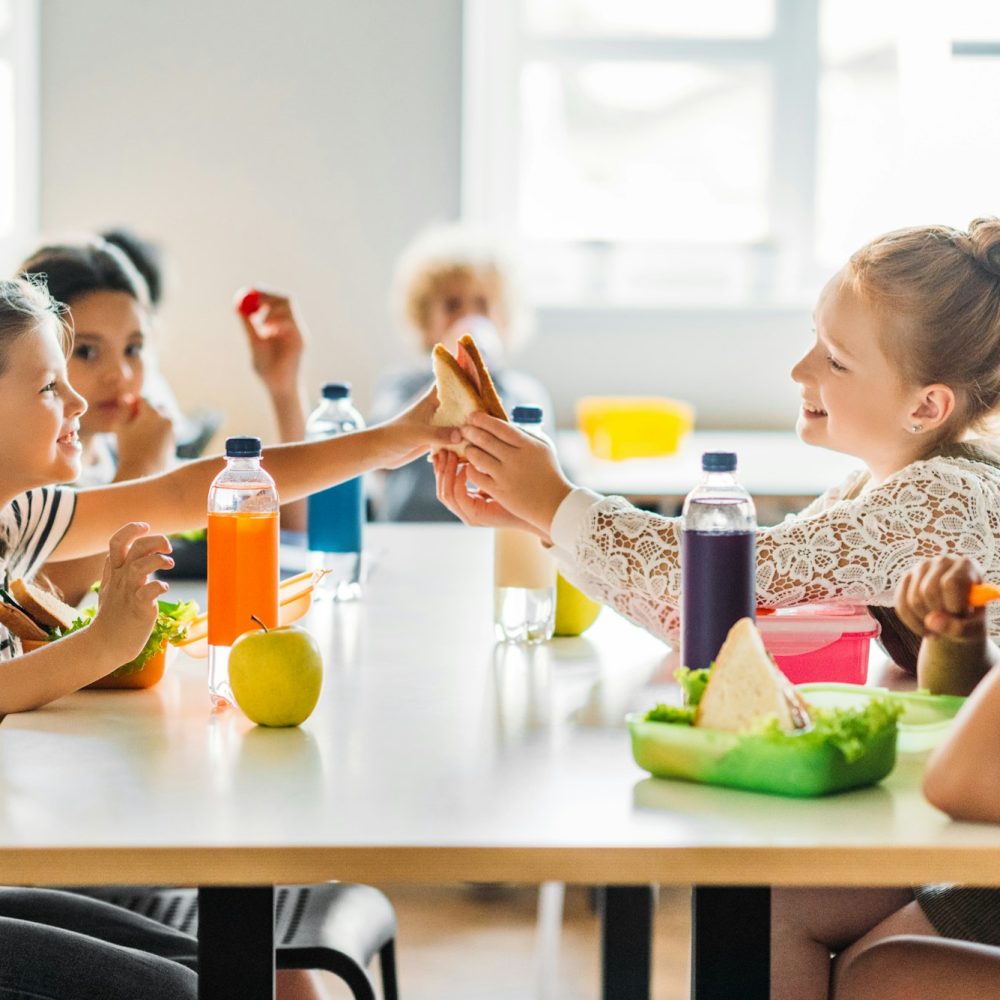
916	428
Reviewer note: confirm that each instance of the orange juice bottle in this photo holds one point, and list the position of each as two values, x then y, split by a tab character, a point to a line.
242	558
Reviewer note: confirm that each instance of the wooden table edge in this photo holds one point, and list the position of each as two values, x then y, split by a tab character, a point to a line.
733	866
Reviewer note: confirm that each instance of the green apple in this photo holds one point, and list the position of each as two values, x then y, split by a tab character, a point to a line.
276	675
575	611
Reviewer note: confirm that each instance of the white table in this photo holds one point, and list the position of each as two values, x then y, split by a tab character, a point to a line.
433	756
773	466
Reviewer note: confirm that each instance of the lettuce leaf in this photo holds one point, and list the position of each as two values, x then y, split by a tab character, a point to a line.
171	624
198	535
86	617
672	713
692	682
850	730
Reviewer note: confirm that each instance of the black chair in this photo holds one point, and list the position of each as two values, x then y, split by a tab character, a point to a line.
334	926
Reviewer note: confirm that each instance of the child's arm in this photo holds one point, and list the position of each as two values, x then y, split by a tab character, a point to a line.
932	600
117	634
177	501
846	550
277	339
962	777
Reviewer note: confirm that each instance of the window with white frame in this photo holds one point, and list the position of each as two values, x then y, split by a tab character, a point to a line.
730	152
18	127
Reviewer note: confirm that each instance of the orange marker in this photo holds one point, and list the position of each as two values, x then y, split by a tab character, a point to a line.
980	594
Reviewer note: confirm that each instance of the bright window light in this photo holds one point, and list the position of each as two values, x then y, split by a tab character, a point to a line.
731	152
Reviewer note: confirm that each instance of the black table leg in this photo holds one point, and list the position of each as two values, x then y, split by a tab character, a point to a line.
730	943
626	936
236	943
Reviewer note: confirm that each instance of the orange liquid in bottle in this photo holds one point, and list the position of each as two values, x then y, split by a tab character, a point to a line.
242	574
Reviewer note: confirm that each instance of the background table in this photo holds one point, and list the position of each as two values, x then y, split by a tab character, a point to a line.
433	756
781	472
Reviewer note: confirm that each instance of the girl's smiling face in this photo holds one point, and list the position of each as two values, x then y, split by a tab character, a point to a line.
107	365
39	414
854	398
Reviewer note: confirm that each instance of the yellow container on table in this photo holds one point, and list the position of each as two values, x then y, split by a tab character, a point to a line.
620	427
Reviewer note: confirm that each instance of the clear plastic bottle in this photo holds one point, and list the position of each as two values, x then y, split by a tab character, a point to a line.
337	515
242	558
718	561
524	571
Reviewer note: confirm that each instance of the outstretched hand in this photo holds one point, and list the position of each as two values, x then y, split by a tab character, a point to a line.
127	610
517	470
411	434
477	509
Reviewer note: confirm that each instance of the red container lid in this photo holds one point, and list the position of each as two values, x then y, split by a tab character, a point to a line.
805	627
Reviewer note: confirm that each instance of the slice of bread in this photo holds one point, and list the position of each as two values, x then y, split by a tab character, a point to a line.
44	607
486	389
459	394
745	686
19	624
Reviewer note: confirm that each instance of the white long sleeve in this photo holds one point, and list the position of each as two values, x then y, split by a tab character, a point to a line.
837	550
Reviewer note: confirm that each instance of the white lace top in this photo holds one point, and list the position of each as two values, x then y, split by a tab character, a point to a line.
842	547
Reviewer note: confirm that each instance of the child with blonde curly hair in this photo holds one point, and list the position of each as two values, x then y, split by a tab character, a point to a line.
452	280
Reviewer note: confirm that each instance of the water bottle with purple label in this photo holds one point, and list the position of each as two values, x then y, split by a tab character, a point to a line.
336	515
717	559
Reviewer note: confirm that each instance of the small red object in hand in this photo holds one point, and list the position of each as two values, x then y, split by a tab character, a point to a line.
250	303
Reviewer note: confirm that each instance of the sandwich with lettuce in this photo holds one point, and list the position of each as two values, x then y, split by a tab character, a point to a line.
36	617
745	725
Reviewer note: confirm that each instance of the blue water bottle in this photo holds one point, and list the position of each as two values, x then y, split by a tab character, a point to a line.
336	515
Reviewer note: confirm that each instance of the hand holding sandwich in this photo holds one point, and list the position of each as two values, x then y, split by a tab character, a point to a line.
477	509
520	473
519	480
412	433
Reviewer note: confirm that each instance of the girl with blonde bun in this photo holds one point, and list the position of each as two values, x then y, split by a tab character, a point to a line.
903	373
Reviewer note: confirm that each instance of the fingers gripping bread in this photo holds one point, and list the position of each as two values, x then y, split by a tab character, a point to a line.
459	395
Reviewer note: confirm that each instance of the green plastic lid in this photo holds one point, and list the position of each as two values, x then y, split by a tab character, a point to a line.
925	720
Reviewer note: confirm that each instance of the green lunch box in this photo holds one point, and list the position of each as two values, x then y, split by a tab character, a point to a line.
795	764
792	766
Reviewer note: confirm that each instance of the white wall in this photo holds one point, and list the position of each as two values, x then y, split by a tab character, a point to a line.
301	145
298	145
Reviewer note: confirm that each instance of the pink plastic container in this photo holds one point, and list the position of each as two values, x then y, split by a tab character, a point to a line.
820	642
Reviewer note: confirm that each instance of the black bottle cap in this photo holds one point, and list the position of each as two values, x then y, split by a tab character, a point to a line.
336	390
243	447
719	461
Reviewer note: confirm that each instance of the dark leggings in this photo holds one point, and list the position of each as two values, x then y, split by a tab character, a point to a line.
57	945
